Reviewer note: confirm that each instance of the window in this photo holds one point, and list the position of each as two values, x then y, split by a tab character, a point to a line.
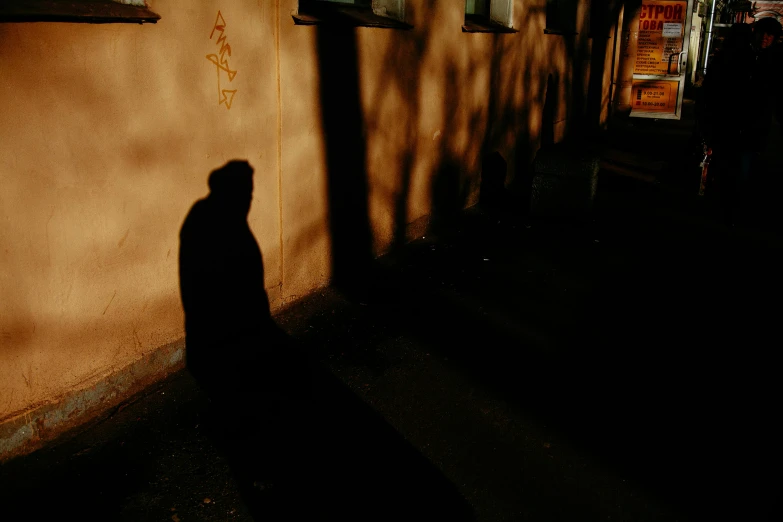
488	16
477	8
352	13
87	11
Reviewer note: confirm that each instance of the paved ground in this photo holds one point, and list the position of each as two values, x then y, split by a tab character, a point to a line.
615	369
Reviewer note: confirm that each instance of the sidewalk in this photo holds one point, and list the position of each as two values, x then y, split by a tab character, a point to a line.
614	370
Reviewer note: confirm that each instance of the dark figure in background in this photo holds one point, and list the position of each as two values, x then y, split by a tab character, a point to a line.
741	98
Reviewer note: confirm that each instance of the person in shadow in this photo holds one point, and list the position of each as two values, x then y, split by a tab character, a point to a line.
740	105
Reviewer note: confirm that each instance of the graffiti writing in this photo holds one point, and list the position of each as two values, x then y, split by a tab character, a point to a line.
220	61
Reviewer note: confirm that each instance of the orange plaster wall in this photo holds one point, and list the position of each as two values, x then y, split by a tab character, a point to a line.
110	132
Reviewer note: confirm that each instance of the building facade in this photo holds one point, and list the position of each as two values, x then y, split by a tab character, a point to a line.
111	130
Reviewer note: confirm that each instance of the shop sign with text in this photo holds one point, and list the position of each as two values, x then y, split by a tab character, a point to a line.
661	33
655	96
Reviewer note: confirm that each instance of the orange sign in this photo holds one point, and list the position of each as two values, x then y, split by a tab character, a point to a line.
654	96
661	32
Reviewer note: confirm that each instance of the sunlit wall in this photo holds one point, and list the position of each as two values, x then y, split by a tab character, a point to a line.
110	131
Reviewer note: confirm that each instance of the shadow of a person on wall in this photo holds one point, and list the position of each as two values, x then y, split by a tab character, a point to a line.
234	349
298	441
228	325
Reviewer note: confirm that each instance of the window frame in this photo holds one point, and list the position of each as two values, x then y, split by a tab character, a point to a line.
76	11
489	23
361	13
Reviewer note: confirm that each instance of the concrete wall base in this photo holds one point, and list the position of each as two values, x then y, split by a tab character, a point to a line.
32	429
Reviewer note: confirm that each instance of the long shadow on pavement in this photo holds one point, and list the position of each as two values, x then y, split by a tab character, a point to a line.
277	429
158	458
645	347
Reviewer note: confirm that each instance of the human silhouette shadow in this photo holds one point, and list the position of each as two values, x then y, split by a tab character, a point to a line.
222	279
228	325
234	350
299	443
